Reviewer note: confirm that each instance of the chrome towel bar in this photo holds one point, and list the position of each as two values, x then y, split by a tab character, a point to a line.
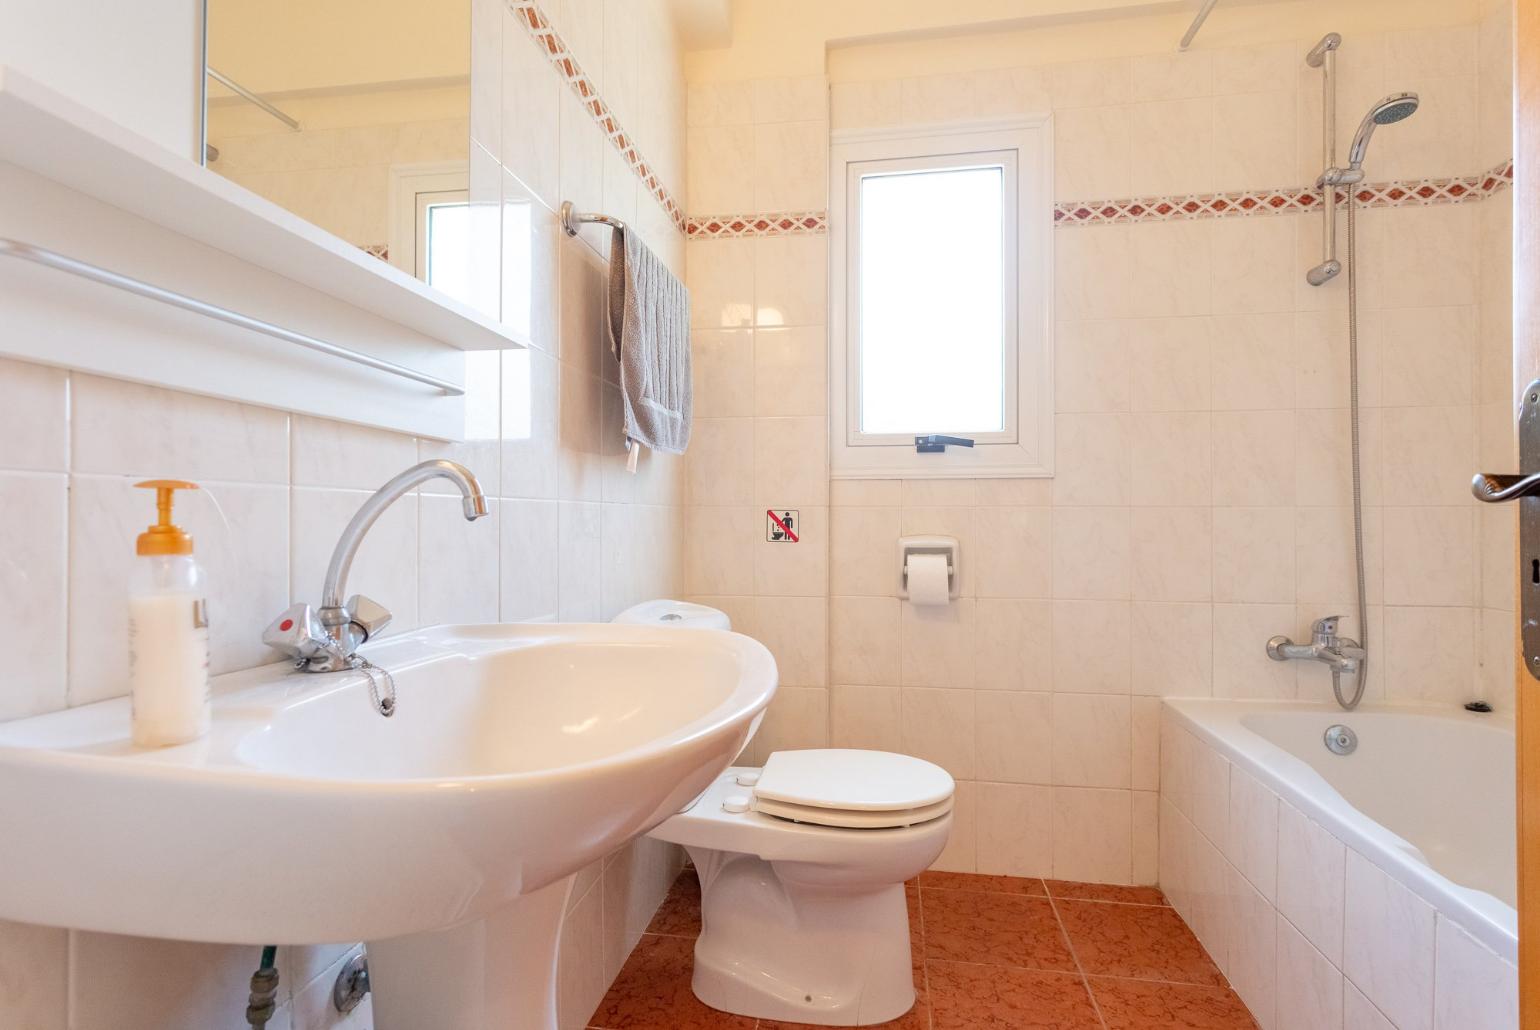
571	219
62	263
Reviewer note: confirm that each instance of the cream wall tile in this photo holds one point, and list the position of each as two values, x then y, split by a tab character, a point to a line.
722	169
1172	554
1416	573
1429	456
1253	841
1427	255
936	645
1323	465
1014	551
865	104
1473	986
961	854
585	339
1254	449
1169	269
939	493
1435	351
1255	69
1172	458
127	429
1254	554
790	371
795	629
937	98
1091	366
721	461
580	458
530	414
1171	76
1255	139
458	563
33	598
719	556
1175	645
1311	871
1092	838
938	726
527	573
1146	743
1092	459
1309	987
797	718
863	640
1091	553
723	364
1430	654
863	557
1012	644
1241	665
1146	838
34	433
791	462
1014	737
1388	944
721	278
721	103
1253	258
800	569
792	162
1017	493
1252	958
1091	648
1169	361
797	99
866	718
137	983
1324	554
1091	272
1091	735
579	561
1171	146
1359	1013
866	493
1090	83
790	280
1015	830
1253	362
531	99
337	454
1090	153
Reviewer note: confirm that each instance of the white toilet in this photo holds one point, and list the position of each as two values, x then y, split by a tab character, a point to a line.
802	867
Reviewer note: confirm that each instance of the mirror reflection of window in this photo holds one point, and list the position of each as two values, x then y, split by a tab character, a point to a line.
328	109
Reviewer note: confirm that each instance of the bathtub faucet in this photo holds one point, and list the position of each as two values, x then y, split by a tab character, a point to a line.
1340	654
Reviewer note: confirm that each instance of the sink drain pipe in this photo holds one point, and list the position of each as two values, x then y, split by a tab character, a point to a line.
264	988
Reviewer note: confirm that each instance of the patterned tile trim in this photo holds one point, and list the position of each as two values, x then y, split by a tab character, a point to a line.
1401	193
534	19
788	223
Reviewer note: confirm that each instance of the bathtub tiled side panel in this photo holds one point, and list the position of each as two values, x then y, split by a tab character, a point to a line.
1312	934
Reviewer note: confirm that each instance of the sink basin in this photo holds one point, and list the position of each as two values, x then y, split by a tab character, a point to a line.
518	754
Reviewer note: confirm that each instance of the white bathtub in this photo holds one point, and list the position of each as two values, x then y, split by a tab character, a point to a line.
1325	883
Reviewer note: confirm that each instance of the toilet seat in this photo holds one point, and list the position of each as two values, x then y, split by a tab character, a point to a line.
852	789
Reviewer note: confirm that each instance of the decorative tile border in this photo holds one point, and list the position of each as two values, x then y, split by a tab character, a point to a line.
1401	193
530	15
788	223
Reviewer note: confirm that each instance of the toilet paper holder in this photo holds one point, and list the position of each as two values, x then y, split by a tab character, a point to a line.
944	545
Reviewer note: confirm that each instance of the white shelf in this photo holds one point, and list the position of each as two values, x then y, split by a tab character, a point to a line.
54	137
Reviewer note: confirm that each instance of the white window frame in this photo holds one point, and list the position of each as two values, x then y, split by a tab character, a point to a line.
1024	447
412	189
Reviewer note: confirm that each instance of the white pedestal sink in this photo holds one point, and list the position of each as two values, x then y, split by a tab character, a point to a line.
445	836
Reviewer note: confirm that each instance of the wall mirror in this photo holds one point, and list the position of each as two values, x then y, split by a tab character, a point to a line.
354	115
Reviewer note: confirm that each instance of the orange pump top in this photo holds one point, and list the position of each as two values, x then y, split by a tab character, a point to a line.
165	538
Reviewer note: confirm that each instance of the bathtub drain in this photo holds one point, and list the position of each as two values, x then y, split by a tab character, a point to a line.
1340	740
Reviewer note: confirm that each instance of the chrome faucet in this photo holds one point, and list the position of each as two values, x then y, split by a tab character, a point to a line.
326	639
1340	654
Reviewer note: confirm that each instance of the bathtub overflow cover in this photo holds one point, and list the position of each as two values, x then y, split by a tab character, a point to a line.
1340	740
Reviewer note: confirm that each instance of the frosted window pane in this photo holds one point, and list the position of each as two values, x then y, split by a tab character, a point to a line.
449	249
932	358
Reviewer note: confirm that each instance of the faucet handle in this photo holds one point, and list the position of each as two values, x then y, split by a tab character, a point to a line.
297	632
1326	626
369	616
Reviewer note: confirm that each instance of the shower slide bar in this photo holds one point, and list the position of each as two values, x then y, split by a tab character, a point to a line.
571	219
1197	23
60	262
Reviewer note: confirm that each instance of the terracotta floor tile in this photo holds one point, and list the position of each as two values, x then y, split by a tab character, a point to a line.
978	882
653	992
969	997
1141	941
679	915
995	929
1105	892
1143	1005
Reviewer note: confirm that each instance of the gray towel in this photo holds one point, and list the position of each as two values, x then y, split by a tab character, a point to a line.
649	315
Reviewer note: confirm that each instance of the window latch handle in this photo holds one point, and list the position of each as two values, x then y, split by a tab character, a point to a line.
935	444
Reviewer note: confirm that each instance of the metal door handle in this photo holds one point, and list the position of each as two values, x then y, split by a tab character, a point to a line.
1494	489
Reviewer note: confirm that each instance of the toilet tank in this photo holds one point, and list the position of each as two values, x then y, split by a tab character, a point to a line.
666	612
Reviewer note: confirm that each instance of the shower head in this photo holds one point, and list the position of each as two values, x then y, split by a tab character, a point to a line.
1393	108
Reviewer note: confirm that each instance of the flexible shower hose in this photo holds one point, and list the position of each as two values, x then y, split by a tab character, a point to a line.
261	1005
1358	500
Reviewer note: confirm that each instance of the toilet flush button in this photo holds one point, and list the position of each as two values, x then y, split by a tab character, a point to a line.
748	779
735	803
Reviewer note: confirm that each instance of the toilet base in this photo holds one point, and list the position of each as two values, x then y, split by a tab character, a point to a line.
798	942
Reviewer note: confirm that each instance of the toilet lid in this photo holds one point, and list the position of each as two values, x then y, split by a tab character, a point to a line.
857	789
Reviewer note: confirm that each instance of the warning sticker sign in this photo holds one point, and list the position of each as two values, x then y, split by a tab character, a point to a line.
781	525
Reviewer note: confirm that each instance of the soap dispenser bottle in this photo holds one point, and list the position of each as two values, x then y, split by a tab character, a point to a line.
168	631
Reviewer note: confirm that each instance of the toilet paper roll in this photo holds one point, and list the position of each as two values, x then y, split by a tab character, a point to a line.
927	579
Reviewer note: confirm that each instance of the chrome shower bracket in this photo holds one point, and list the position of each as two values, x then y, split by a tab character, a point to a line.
1524	488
